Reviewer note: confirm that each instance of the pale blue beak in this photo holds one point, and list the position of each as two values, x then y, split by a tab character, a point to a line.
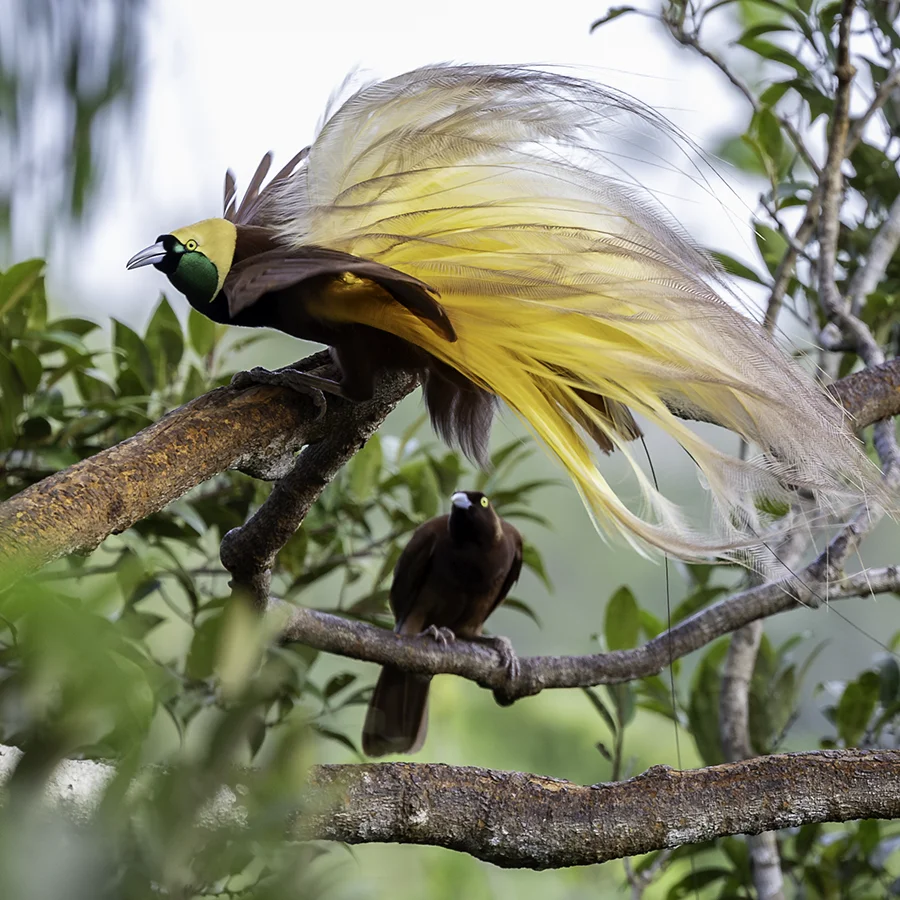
147	257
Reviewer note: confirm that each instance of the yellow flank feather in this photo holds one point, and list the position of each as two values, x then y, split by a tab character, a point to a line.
498	187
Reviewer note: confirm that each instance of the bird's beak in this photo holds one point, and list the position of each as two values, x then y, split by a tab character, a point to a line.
460	500
147	257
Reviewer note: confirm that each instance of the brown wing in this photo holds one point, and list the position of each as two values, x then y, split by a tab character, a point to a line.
515	569
413	567
278	269
254	198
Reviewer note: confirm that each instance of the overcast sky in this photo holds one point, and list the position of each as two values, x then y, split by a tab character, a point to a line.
227	80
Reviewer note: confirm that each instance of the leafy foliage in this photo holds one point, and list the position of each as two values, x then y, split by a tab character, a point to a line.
101	655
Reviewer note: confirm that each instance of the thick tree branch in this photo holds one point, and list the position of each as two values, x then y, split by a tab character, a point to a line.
358	640
871	394
518	820
256	430
513	819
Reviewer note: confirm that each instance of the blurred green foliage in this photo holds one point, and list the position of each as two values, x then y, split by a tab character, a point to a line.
100	654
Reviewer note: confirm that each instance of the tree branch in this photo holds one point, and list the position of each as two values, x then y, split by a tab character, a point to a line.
475	662
249	552
517	820
257	430
527	821
832	181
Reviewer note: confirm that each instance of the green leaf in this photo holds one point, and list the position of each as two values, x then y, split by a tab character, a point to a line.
772	246
694	880
204	650
29	367
134	358
623	697
17	281
11	399
524	608
424	490
855	708
889	681
165	342
602	709
768	130
650	624
774	53
531	557
76	326
613	13
703	707
622	622
201	332
365	468
734	267
337	737
93	386
337	683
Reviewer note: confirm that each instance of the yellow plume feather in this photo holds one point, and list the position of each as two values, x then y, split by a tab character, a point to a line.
498	187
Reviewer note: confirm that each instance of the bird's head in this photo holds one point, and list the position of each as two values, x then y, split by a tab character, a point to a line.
473	518
196	258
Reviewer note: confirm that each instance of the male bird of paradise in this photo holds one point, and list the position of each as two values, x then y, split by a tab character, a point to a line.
466	223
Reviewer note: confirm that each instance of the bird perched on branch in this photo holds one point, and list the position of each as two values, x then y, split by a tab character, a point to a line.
454	572
473	224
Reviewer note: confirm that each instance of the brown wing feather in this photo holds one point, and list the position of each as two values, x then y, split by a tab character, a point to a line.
255	196
279	269
515	569
252	192
230	191
413	567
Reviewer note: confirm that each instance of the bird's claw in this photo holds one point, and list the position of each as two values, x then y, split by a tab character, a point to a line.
509	659
442	635
287	377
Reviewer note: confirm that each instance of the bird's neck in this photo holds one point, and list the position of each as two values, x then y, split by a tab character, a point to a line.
251	240
215	309
464	530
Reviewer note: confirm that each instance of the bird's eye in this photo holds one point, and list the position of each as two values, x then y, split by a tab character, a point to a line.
190	245
484	502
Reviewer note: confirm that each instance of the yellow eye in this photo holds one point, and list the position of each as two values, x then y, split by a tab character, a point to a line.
190	245
484	502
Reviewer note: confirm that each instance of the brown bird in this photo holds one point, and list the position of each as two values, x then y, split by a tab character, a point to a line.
454	572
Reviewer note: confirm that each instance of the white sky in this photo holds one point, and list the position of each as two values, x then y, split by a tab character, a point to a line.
227	80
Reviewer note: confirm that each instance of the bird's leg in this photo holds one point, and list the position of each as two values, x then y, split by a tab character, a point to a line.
509	660
442	635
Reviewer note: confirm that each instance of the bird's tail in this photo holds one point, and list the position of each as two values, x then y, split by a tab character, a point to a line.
573	296
397	717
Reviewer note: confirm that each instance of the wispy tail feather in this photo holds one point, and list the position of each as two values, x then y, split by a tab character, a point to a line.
566	287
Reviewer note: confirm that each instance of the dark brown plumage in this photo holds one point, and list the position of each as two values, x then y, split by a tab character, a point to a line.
454	572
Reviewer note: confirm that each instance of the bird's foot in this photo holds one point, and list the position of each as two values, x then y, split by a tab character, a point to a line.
313	386
503	647
442	635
